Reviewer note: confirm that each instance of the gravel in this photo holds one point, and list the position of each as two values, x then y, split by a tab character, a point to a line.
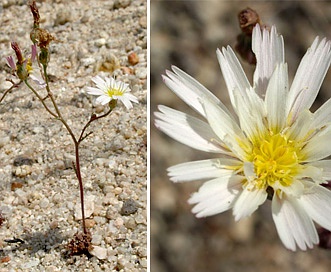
39	191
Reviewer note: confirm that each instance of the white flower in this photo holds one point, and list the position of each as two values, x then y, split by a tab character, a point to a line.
109	89
274	147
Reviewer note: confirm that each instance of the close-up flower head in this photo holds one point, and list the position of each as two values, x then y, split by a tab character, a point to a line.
273	147
109	89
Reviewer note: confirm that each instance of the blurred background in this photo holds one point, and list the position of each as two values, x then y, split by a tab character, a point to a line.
187	34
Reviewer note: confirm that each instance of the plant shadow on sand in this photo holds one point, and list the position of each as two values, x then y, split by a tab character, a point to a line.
34	242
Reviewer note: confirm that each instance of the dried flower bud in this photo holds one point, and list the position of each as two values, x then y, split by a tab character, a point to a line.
248	18
41	37
35	13
18	52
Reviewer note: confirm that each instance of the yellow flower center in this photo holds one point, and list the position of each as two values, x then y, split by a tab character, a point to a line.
275	159
114	92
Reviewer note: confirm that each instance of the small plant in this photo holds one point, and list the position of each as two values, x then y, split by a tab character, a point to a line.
32	71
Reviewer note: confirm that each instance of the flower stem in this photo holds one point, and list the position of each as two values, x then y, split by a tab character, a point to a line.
15	85
57	114
81	188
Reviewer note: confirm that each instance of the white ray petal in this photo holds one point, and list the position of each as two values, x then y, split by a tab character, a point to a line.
187	130
311	172
95	91
101	84
299	130
322	116
216	196
318	147
276	97
324	166
204	169
233	73
189	90
309	77
251	114
248	202
225	127
269	51
316	202
294	226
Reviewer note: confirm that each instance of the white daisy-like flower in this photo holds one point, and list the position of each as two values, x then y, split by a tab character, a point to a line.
273	148
109	89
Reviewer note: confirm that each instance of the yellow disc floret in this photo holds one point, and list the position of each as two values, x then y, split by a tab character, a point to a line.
275	159
114	92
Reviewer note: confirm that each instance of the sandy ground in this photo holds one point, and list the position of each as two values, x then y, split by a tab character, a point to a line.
186	34
93	38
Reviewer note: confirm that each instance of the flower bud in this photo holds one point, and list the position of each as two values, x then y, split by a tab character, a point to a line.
112	104
44	56
18	52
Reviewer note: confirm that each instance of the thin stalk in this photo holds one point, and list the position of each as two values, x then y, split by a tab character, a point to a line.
81	188
10	89
92	119
50	94
41	99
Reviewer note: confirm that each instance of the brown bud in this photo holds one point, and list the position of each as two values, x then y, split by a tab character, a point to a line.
41	37
18	52
248	18
35	13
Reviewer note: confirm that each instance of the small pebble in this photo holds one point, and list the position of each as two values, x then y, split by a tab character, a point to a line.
100	42
44	203
32	263
109	64
19	161
90	223
133	58
99	252
121	3
88	207
62	17
4	140
130	223
96	239
143	22
129	207
118	222
22	171
5	259
141	73
16	185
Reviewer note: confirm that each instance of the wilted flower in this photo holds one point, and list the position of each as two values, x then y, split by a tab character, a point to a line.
274	147
109	89
24	68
